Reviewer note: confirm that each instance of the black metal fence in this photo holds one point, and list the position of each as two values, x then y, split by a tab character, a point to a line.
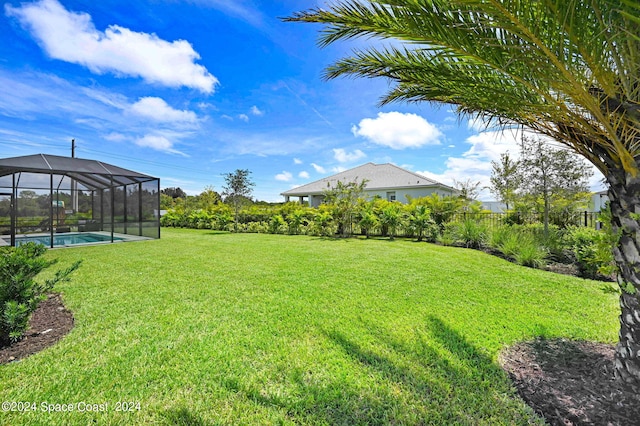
586	219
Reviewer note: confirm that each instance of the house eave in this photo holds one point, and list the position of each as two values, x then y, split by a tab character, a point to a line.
290	193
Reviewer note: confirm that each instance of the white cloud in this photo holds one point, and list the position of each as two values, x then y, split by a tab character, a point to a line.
398	131
244	117
345	157
206	105
255	111
72	37
237	9
297	161
284	176
283	142
115	137
318	168
159	143
158	110
475	163
338	169
303	175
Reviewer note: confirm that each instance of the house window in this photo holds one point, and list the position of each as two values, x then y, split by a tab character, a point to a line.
391	196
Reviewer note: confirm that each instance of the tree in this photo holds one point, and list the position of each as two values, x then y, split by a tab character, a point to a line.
391	216
566	69
174	192
442	208
552	175
469	189
505	179
237	191
344	199
368	218
209	198
166	202
420	219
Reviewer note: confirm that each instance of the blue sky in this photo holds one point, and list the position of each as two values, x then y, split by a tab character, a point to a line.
187	90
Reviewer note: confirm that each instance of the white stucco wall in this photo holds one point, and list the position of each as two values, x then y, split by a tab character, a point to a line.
401	193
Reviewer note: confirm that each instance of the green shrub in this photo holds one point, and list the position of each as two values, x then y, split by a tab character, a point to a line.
449	235
368	221
530	253
222	220
295	219
520	245
473	234
431	232
172	218
277	225
513	218
323	224
510	243
498	236
592	249
553	241
258	227
20	294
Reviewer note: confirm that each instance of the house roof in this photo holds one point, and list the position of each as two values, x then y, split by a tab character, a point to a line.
378	176
94	174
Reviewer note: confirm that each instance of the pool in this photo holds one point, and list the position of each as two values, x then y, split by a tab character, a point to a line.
67	239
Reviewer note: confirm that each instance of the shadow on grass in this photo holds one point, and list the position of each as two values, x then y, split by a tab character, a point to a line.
182	417
438	378
214	232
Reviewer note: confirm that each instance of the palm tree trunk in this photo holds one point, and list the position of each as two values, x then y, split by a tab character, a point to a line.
624	199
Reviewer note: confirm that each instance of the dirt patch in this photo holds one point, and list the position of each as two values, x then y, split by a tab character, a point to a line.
48	324
571	382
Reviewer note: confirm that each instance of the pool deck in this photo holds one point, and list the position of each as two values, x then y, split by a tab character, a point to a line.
5	240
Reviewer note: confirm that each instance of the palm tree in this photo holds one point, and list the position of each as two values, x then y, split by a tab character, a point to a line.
368	219
392	217
568	69
420	219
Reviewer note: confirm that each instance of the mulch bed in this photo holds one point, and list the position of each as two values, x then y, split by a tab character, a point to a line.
48	324
571	382
567	382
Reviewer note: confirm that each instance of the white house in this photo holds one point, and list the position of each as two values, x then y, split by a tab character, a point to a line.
387	181
598	201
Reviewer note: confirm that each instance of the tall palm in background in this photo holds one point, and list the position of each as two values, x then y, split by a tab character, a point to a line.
568	69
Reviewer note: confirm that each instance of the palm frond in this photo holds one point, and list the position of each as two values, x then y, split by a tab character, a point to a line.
551	65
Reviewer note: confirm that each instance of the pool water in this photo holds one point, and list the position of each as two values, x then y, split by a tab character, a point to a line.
66	239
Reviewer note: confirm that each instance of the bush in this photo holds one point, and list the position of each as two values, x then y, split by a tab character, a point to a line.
20	294
277	225
530	253
258	227
449	235
520	245
498	236
472	234
510	243
172	218
592	249
322	225
553	241
432	232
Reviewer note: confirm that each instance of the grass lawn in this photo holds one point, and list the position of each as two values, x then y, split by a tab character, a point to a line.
203	328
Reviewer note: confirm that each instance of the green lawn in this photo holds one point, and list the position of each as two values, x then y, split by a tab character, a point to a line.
207	328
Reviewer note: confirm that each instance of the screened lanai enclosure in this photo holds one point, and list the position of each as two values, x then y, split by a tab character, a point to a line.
60	201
